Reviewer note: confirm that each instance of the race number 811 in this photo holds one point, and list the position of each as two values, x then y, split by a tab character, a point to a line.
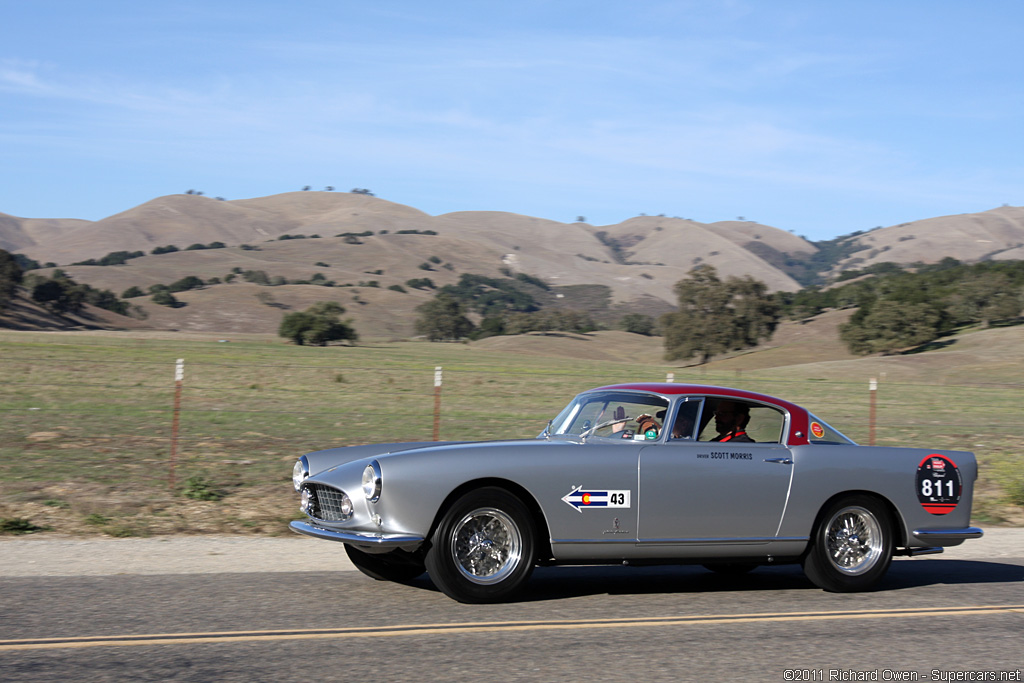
939	485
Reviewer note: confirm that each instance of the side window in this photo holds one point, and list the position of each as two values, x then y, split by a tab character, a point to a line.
685	422
765	424
730	420
821	432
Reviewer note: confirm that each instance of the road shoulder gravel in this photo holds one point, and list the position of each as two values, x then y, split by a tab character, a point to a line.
66	556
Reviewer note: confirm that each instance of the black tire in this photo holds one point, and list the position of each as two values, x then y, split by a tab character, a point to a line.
731	568
852	545
385	566
483	548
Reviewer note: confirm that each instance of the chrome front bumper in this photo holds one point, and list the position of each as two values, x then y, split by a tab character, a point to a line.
371	543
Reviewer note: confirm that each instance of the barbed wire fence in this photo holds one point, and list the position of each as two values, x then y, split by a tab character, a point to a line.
104	420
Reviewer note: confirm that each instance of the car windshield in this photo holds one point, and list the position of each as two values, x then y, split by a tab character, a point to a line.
612	414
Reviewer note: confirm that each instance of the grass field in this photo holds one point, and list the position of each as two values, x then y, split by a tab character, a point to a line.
86	419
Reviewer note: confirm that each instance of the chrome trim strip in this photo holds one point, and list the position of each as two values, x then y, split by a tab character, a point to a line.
940	535
679	541
356	537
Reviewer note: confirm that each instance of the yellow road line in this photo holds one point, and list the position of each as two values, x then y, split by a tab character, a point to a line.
487	627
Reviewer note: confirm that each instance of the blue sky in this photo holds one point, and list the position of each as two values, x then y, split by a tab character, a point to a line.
817	117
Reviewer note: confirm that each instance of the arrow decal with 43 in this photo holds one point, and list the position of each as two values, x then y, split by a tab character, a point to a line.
580	499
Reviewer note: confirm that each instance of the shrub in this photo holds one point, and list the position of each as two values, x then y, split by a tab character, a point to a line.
199	487
186	283
421	283
637	323
317	325
18	525
165	298
132	292
114	258
397	288
258	277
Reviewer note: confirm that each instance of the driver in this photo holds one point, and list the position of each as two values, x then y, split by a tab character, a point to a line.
731	420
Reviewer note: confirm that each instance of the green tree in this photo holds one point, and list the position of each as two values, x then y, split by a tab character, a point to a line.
258	277
889	326
10	277
317	325
132	292
637	323
59	293
984	297
165	298
715	316
443	318
186	283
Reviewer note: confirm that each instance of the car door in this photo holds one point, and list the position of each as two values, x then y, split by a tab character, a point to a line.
704	490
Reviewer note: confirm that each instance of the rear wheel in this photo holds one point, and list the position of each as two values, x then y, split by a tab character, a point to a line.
483	548
385	566
852	547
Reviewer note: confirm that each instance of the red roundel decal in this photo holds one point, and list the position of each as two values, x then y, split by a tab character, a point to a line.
938	484
817	430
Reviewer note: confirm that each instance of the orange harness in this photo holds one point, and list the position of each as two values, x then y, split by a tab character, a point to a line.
730	437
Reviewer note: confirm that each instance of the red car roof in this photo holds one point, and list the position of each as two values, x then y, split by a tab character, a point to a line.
798	416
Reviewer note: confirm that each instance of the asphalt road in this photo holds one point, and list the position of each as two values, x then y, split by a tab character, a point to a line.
935	617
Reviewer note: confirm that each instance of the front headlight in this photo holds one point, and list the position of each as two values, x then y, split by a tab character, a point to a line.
299	472
372	482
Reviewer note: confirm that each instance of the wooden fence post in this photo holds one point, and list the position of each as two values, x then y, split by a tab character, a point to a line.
179	377
872	391
437	403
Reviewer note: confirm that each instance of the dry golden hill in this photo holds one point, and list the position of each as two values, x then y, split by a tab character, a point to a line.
638	260
997	234
328	237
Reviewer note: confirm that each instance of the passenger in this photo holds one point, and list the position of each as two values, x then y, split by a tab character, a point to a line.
647	424
731	420
683	427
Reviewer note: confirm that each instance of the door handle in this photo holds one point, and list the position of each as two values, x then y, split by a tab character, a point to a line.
780	461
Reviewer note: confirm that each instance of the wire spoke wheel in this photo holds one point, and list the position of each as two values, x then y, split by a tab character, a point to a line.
483	547
852	545
486	545
854	540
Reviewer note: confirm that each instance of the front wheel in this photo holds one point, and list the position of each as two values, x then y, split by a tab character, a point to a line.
852	546
483	548
385	566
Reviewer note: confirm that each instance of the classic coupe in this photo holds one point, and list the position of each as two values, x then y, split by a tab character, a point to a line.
639	474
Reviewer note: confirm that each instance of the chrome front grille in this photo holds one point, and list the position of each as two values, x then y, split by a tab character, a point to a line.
326	503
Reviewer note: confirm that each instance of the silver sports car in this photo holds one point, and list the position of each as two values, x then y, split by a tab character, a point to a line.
639	474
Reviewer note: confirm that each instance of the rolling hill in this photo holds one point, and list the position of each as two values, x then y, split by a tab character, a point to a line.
365	245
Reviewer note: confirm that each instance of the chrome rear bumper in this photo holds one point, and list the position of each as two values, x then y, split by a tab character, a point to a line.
947	537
